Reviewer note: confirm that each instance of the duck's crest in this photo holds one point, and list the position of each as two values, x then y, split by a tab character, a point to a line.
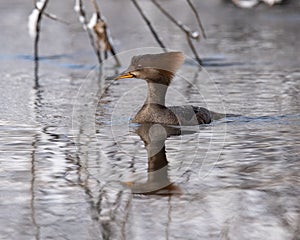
170	61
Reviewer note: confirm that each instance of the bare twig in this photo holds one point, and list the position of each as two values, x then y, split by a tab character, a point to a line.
197	17
55	18
154	33
38	27
183	27
82	18
39	10
193	49
189	34
96	7
101	31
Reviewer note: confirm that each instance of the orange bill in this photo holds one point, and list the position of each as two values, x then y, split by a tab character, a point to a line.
124	75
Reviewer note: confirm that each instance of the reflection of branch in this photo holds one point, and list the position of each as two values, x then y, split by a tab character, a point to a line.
197	17
154	33
82	18
189	34
33	187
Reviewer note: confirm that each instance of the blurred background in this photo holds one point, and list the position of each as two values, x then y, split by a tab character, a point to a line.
68	156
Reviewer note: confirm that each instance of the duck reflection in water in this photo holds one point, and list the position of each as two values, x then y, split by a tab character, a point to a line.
158	182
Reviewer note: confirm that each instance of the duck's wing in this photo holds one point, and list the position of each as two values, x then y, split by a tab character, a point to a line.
191	115
194	115
203	115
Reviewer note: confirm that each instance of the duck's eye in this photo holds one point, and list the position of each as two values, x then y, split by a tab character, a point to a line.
133	75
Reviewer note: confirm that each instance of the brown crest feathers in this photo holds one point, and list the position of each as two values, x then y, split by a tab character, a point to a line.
170	61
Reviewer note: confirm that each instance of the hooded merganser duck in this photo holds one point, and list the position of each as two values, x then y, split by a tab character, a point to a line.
158	71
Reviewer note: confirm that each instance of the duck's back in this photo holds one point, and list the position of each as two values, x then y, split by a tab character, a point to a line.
173	115
191	115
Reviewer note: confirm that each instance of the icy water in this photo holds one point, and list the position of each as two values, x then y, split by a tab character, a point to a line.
73	167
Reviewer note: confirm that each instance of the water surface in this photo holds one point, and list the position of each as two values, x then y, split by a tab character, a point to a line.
73	167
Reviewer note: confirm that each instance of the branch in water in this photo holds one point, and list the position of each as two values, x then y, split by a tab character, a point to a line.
55	18
184	28
104	43
189	34
82	18
34	22
193	49
197	17
96	7
149	24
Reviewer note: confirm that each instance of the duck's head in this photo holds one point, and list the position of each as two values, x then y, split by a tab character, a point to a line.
156	68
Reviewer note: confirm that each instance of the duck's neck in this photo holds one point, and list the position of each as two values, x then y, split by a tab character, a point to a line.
156	94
